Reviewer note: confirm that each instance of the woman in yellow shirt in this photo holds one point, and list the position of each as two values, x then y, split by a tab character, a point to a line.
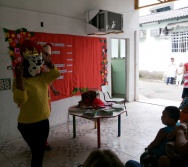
30	92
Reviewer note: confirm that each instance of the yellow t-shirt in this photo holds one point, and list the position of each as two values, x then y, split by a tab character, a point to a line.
33	101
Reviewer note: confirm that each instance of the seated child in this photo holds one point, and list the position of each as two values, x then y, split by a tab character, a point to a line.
102	158
157	147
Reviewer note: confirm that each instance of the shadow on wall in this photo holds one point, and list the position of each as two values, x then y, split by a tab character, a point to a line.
156	75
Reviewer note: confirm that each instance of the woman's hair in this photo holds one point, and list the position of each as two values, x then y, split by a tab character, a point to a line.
31	46
174	112
103	158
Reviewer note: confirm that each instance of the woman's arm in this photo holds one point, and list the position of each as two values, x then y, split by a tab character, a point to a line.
55	92
19	93
19	76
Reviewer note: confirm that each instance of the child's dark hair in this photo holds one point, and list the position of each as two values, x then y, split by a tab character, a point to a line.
174	112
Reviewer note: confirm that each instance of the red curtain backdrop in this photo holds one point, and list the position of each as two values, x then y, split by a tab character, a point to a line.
62	58
87	65
81	60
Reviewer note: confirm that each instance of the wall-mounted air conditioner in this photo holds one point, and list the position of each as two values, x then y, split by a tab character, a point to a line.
103	22
155	32
165	34
142	34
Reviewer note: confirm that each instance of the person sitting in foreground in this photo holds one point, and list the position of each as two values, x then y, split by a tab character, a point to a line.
181	144
157	147
102	158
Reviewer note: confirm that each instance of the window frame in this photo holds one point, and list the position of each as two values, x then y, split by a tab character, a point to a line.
138	6
179	42
119	49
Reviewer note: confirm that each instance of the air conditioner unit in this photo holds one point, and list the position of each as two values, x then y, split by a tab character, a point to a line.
155	32
142	34
165	34
103	22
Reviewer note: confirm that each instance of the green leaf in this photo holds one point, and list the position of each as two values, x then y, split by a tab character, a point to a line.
5	30
17	45
18	31
32	33
11	48
83	89
6	39
24	29
12	57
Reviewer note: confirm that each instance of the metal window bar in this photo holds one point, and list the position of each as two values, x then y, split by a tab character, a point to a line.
179	41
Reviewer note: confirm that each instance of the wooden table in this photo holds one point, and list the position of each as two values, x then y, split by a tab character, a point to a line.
77	112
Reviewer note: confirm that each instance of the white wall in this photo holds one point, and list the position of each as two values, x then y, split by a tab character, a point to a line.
61	17
155	53
152	50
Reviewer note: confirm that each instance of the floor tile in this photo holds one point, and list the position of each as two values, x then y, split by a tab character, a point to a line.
138	129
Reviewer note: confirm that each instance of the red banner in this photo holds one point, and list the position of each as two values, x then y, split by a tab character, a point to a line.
81	60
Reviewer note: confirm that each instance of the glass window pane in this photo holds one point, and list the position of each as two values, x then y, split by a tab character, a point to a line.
114	48
122	48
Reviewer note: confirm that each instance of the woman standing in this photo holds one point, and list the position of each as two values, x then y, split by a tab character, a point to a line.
30	92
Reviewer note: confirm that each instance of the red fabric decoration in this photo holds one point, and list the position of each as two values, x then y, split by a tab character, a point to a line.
97	102
81	60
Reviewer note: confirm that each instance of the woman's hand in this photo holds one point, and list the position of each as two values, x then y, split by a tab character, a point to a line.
47	60
19	70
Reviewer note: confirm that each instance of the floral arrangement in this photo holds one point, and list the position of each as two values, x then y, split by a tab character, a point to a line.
15	38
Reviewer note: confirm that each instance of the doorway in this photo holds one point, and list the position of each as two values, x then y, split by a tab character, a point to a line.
118	67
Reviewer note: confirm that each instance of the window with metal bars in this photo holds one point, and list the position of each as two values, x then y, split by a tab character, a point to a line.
179	41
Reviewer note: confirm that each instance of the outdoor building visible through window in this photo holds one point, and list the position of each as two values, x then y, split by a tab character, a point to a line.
179	41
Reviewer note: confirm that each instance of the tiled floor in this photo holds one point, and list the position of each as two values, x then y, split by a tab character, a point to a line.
137	131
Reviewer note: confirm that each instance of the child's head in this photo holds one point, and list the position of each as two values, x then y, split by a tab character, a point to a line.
170	115
181	64
103	158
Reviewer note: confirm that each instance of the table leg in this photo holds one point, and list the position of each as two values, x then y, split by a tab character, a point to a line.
119	125
95	124
74	127
98	133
